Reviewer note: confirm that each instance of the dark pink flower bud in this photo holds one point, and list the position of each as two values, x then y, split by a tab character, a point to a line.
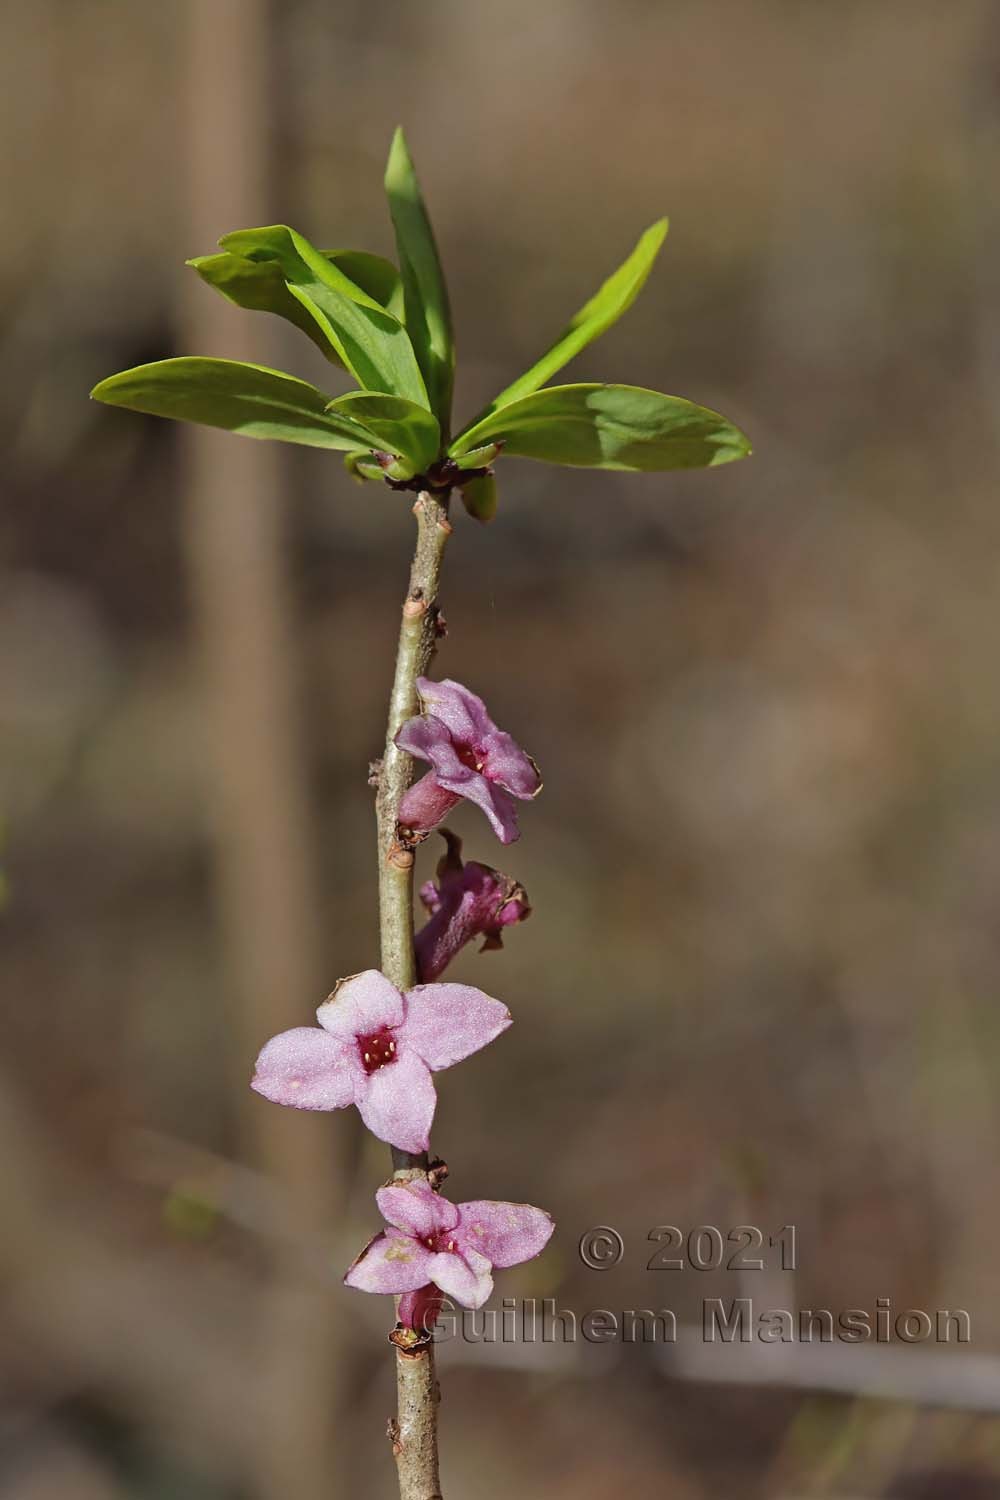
466	901
469	757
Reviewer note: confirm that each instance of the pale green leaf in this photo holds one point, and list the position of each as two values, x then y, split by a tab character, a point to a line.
479	496
374	275
609	427
370	341
594	318
400	426
478	458
428	315
244	398
362	467
259	286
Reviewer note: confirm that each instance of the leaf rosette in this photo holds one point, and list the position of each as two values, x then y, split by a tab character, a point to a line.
391	331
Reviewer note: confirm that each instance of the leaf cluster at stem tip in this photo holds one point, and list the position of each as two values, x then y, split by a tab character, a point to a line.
391	330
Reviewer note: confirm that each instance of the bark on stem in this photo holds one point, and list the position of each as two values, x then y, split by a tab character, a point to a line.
414	1433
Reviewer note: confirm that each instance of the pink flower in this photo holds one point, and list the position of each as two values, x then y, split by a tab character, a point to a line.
452	1245
469	757
376	1048
465	902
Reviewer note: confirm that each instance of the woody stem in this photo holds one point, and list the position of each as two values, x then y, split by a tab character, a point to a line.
414	1434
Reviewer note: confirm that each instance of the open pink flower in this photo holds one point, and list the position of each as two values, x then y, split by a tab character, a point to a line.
376	1048
452	1245
469	757
466	901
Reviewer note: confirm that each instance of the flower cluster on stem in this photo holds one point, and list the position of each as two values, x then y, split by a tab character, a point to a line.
376	1044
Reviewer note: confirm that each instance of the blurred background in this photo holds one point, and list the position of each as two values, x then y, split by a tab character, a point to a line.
760	982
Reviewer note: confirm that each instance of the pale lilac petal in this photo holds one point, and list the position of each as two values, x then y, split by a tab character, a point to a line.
508	765
361	1005
446	1022
307	1069
428	739
397	1102
391	1262
498	805
426	803
463	713
506	1233
467	1279
415	1208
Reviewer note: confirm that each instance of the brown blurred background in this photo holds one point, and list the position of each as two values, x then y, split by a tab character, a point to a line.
761	981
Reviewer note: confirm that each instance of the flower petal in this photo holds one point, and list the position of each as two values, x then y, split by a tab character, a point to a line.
397	1102
463	713
498	805
428	739
469	1284
446	1022
307	1069
361	1005
506	1233
415	1208
509	766
391	1262
426	803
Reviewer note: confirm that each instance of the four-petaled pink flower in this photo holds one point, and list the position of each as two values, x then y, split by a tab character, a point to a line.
452	1245
376	1048
469	757
466	901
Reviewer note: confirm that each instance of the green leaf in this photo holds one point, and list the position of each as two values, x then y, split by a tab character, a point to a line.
401	426
478	458
594	318
370	341
428	315
374	275
249	399
362	468
259	286
479	496
609	427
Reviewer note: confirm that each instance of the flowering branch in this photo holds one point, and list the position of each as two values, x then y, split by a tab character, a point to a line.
414	1432
383	1033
